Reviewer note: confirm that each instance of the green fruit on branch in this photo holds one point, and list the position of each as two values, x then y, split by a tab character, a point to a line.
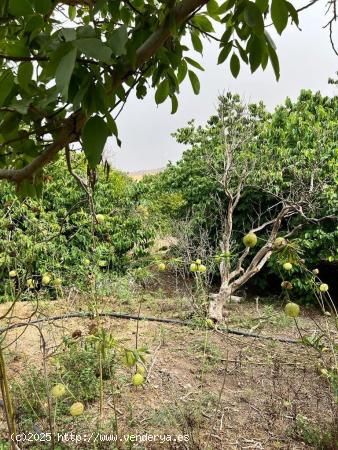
100	218
137	379
209	323
292	310
324	287
58	390
315	271
76	409
161	267
193	267
30	283
46	280
250	240
57	282
13	274
287	266
279	243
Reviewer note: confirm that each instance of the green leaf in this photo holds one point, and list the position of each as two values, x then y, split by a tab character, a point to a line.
94	137
274	61
195	82
174	104
194	63
69	34
17	49
20	7
64	72
224	53
279	14
162	92
263	5
25	73
196	42
203	23
182	71
235	65
94	48
43	6
6	84
118	40
253	17
256	50
212	7
71	12
293	13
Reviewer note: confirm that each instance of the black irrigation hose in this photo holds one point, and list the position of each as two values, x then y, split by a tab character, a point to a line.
149	319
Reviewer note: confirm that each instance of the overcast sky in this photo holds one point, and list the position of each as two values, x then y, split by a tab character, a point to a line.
306	60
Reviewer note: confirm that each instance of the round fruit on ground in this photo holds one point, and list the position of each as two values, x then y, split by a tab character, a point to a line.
161	267
100	218
12	273
324	287
58	390
209	323
76	409
250	240
202	268
198	262
292	310
287	266
137	379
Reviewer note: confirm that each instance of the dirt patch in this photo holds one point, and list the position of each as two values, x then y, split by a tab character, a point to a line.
219	390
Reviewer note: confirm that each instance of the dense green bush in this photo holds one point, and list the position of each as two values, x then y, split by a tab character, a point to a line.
298	141
57	234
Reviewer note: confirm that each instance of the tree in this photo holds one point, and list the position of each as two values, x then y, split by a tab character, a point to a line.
267	175
68	65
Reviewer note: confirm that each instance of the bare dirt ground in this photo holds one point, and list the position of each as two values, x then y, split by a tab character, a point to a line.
219	390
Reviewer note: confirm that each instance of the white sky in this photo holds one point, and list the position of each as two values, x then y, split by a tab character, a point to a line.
307	61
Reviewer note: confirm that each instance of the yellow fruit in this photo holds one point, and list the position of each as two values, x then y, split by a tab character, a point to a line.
30	283
45	280
141	370
161	267
202	268
193	267
315	271
100	218
137	379
57	282
76	409
324	287
292	310
250	240
287	266
58	390
198	262
209	323
12	273
103	263
279	242
86	262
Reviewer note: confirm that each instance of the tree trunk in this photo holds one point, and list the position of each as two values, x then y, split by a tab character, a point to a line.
217	301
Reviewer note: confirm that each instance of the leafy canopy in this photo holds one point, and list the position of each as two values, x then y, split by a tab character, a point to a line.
68	66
